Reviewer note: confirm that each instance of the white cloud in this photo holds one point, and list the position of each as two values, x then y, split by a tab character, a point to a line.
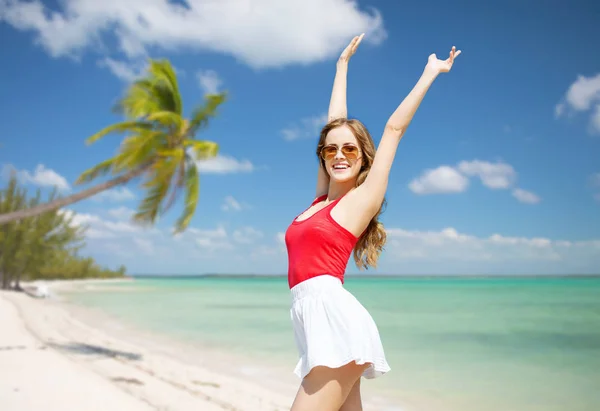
254	32
450	245
224	165
308	127
583	92
99	228
581	96
217	233
597	197
116	195
211	240
126	71
209	81
447	179
525	196
443	179
493	175
231	204
42	176
121	213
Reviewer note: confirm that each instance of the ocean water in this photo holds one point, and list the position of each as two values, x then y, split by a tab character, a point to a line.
493	344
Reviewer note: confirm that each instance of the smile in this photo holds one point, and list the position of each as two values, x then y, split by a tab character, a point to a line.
340	166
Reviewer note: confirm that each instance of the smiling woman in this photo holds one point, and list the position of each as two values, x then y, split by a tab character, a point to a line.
337	339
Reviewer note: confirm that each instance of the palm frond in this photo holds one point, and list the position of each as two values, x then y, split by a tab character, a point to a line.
159	181
201	115
150	205
139	100
137	150
164	75
192	185
202	149
98	170
167	119
126	126
177	184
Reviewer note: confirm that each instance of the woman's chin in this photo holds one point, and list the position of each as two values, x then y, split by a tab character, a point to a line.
341	177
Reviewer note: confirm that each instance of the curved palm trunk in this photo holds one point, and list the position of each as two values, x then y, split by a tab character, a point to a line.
61	202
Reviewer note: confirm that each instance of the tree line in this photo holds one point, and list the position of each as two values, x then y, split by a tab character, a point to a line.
45	246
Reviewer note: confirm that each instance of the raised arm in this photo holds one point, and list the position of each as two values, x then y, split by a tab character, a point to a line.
337	103
375	184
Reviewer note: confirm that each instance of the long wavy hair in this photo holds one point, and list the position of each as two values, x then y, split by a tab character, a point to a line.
370	245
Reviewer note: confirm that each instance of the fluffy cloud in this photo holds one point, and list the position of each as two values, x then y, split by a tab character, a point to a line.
248	249
582	96
254	32
308	127
447	179
121	213
41	176
441	180
115	195
450	245
123	70
209	81
224	165
492	175
525	196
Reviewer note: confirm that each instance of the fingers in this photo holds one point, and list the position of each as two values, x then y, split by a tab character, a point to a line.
359	40
356	41
454	53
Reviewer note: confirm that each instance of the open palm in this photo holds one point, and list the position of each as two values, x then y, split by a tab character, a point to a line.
442	66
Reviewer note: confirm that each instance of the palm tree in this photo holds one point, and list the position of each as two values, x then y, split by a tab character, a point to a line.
160	148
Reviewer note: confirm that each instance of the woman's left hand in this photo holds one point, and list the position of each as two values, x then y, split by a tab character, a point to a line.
442	66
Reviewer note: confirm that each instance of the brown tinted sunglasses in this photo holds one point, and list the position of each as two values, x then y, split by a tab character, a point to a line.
348	150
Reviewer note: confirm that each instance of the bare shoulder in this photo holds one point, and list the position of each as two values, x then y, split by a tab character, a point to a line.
354	212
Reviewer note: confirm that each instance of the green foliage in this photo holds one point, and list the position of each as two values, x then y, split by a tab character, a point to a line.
43	246
161	142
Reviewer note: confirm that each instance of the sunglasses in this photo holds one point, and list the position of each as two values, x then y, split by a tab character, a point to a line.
348	150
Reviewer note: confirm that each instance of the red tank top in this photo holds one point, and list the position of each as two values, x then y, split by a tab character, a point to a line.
318	245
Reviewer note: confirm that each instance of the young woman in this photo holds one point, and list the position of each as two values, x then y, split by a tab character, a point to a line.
337	339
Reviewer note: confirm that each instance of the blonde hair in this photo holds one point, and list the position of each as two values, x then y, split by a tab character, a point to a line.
370	245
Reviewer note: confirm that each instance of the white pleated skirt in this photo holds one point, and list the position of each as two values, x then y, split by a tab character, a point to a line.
332	328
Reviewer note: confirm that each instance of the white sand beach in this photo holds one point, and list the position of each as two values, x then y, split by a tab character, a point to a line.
49	360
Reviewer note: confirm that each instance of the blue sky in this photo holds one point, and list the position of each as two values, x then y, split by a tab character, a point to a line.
497	174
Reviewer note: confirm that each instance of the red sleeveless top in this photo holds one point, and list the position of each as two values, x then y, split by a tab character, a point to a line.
318	245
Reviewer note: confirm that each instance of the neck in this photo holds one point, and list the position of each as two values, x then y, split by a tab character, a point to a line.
337	190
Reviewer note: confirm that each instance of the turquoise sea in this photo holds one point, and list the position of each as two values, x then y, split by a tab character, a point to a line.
455	344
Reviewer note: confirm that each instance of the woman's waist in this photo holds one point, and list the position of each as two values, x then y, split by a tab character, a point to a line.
316	284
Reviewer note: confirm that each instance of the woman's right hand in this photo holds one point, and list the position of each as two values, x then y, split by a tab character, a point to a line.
350	49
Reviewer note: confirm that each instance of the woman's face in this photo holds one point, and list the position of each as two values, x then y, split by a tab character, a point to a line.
342	155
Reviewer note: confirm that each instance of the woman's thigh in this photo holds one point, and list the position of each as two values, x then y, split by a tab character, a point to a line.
353	401
326	389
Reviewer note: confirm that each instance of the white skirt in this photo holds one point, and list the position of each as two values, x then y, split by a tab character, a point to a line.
332	328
